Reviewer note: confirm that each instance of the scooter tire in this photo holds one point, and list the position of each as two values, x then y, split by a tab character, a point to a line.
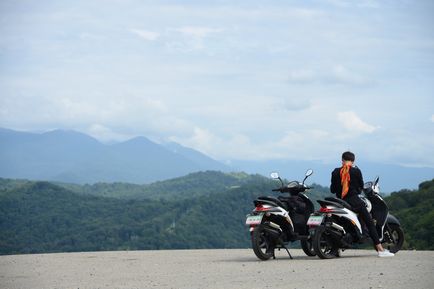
395	231
322	246
259	240
307	246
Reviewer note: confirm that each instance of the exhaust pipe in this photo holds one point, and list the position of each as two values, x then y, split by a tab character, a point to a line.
340	235
338	227
275	226
273	230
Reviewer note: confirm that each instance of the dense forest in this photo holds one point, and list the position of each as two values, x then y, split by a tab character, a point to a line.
201	210
415	210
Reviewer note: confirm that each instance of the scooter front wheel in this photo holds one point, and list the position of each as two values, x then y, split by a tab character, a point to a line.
394	239
307	247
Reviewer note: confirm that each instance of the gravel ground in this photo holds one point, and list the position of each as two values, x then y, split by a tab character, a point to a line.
215	269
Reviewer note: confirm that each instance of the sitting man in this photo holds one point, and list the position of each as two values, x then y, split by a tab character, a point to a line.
347	184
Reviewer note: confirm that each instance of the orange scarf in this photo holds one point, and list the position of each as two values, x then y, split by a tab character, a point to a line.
345	178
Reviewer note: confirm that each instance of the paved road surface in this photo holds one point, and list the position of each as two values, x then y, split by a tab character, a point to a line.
215	269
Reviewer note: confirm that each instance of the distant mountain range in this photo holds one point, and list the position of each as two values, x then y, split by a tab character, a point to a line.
70	156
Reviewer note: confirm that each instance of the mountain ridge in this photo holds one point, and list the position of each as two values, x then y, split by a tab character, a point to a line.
72	156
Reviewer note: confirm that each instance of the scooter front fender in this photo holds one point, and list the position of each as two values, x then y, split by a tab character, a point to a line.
391	219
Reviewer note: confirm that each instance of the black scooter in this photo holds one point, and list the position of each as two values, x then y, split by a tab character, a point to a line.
275	222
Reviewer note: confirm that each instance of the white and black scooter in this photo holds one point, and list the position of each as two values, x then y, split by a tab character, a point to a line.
275	222
335	226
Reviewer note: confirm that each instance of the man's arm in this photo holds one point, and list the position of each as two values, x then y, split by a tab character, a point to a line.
359	179
335	183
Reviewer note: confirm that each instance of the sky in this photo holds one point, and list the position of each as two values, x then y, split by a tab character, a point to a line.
236	80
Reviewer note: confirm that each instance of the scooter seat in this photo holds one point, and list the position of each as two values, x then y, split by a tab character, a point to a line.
340	201
271	201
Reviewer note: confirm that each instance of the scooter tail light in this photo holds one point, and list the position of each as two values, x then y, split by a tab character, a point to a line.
325	210
261	208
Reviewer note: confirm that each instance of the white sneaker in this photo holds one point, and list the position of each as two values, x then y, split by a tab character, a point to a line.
385	253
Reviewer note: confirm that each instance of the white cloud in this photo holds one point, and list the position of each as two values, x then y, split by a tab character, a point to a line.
198	31
432	118
341	74
301	75
145	34
189	38
324	74
358	3
352	122
105	134
239	146
203	139
235	146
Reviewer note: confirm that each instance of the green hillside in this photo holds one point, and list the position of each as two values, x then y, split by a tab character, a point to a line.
9	184
191	212
45	217
415	210
203	210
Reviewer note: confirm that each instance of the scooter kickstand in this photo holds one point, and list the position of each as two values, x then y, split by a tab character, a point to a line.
290	256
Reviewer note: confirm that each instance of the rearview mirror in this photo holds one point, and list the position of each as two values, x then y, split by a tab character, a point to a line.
376	180
367	185
274	175
308	173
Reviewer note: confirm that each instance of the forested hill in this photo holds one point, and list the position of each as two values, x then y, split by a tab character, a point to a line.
415	210
46	217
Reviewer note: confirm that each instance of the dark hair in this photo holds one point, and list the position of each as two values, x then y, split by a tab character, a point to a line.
348	156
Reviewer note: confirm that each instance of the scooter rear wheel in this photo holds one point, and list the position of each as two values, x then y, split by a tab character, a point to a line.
323	245
261	245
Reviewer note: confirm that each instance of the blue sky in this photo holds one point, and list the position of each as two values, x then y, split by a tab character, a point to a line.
233	79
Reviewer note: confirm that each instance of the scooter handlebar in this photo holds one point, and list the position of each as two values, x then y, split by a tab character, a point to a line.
289	190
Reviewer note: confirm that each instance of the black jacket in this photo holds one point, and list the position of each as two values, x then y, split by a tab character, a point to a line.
356	182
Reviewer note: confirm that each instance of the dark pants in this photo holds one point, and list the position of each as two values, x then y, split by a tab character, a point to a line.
360	208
